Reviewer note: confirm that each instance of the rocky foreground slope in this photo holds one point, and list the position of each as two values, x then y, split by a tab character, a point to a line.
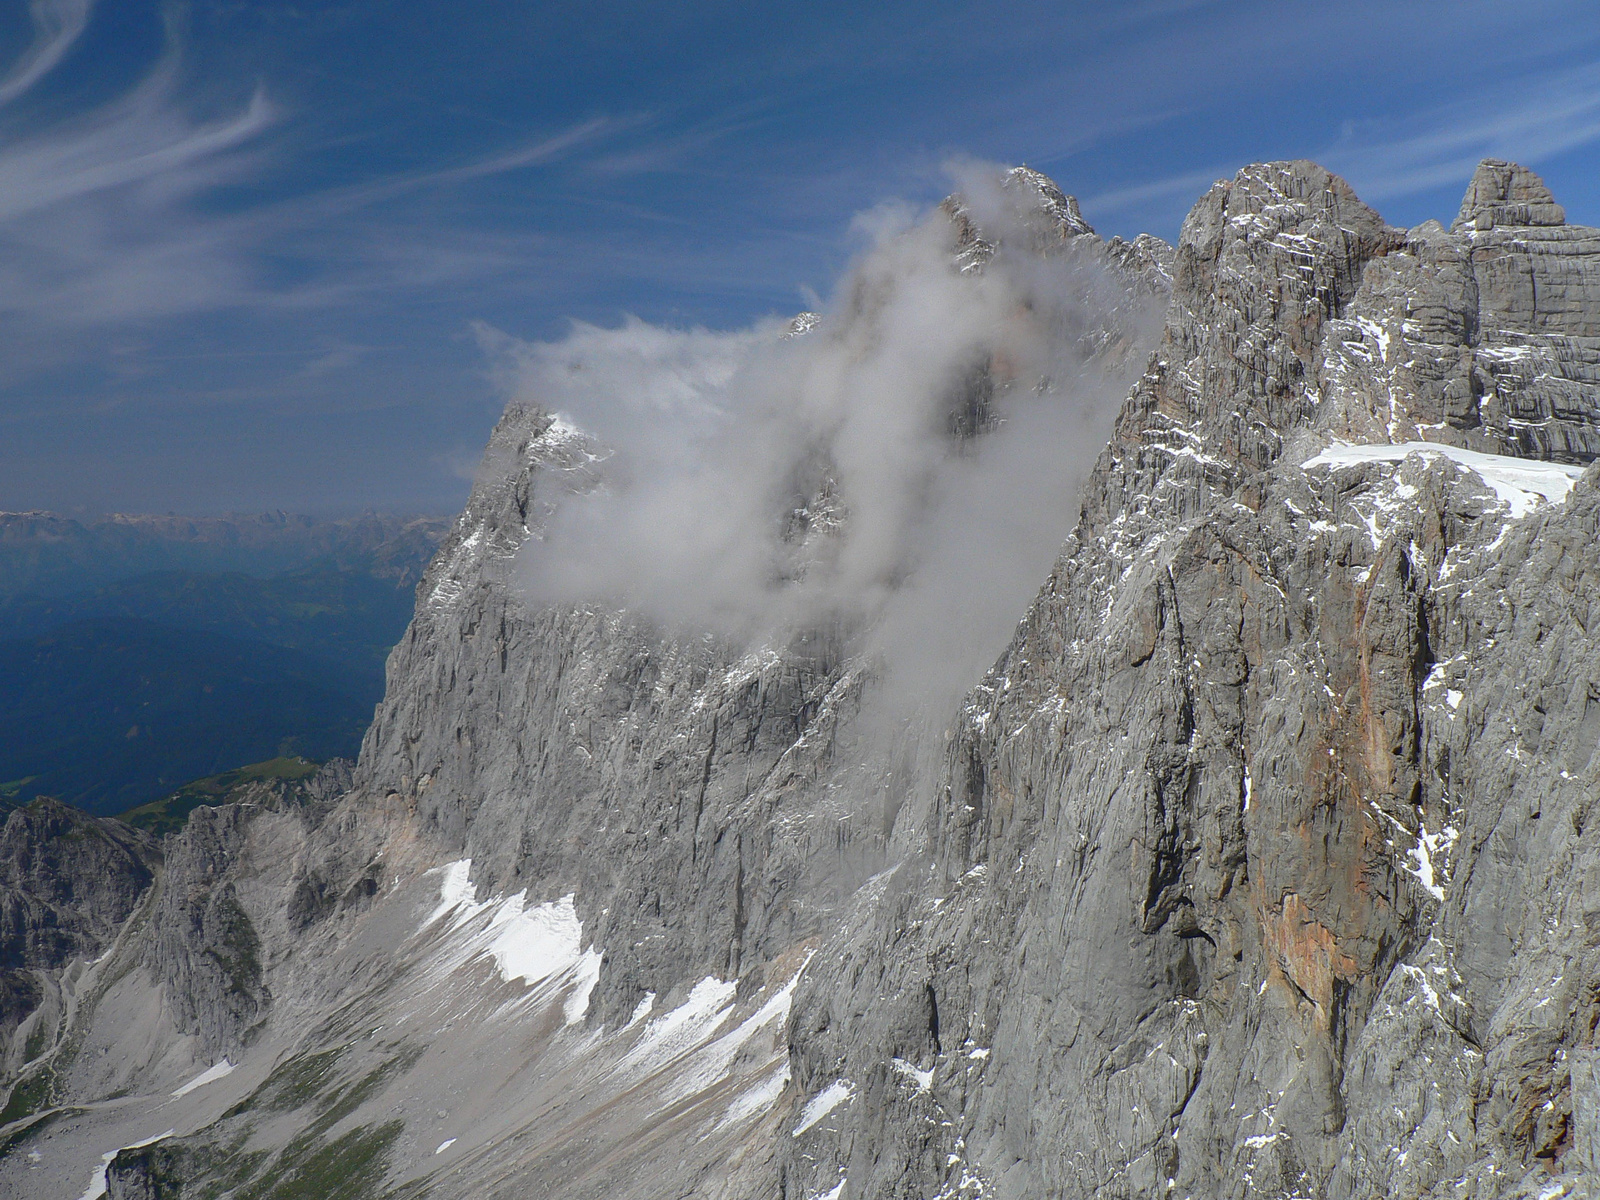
1263	863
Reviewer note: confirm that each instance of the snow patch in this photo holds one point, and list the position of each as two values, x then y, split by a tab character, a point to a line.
1428	845
445	1145
824	1102
562	428
455	889
922	1080
586	974
838	1190
1520	483
641	1010
758	1099
531	945
97	1180
1429	994
711	1063
210	1075
1378	334
685	1027
690	1050
534	943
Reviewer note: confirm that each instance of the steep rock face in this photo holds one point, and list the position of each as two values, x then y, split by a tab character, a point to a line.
667	766
242	885
206	948
1262	864
661	828
67	883
1487	336
1228	894
708	804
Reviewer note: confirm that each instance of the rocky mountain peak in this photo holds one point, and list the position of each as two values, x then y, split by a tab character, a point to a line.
1261	864
1507	193
1030	209
1047	199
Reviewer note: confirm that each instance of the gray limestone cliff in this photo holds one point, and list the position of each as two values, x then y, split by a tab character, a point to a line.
1263	863
68	882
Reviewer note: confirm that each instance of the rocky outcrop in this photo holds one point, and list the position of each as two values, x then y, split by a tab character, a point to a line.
233	868
1487	336
1230	884
1262	864
68	881
714	804
205	948
1507	195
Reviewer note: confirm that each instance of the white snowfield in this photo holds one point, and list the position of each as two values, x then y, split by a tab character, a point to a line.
674	1056
210	1075
97	1181
530	944
1520	483
512	1079
824	1102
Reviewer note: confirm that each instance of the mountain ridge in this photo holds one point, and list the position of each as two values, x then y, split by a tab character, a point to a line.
1260	864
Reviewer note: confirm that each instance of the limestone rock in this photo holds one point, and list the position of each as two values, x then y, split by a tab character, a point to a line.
68	881
1262	864
1504	193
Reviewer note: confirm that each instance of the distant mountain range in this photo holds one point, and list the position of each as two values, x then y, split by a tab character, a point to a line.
139	653
47	554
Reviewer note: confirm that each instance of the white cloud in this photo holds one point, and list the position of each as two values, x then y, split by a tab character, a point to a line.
1524	119
57	24
1186	187
720	440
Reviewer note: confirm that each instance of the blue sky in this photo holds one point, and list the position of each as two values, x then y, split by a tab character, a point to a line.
244	246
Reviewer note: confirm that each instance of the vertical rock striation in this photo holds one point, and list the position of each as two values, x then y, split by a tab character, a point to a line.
1262	864
1252	877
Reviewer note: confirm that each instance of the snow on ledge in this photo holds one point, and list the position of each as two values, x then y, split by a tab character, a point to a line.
532	945
455	889
1520	483
757	1099
824	1102
97	1180
921	1080
210	1075
684	1029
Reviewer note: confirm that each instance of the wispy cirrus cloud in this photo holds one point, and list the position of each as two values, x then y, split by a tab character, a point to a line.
96	220
105	216
96	209
324	208
1527	119
536	153
138	140
57	24
674	152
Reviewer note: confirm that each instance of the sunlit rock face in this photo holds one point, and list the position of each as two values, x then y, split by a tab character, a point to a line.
1246	881
1261	863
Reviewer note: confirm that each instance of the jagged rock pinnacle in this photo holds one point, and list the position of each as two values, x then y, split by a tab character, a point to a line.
1506	193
